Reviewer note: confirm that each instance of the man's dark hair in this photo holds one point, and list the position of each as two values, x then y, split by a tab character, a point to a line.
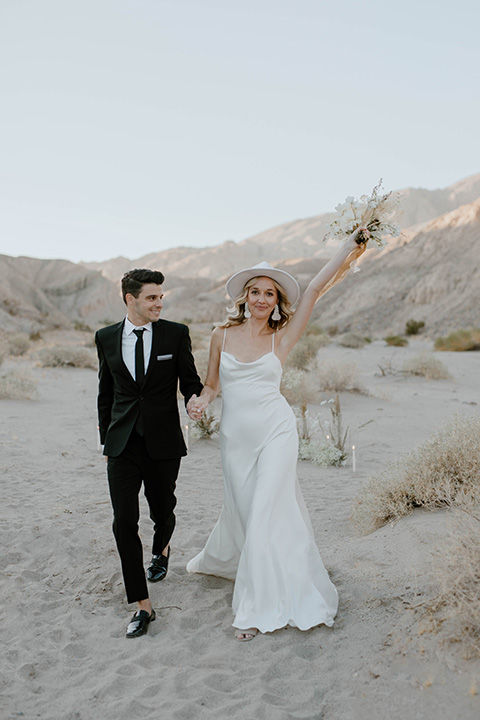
134	280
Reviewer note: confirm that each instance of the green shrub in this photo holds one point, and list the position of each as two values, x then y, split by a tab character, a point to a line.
81	326
352	340
413	327
396	341
459	340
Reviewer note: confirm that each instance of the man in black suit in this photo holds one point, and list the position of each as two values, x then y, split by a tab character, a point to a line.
141	362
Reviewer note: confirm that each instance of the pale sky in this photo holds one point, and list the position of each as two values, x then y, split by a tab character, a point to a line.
132	126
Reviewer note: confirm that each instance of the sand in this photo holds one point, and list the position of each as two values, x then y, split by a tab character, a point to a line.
64	612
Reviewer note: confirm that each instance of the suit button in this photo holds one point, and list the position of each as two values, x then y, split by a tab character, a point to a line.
141	397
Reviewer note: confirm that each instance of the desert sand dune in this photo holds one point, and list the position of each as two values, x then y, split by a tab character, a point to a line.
64	615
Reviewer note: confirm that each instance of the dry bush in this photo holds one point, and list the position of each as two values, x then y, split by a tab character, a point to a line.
430	477
201	362
458	572
460	340
426	365
59	356
207	426
337	376
18	344
299	386
352	340
306	349
18	385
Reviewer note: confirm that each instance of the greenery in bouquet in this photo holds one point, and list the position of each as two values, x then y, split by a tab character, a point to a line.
374	213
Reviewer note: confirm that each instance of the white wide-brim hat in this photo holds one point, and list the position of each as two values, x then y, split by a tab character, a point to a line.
288	283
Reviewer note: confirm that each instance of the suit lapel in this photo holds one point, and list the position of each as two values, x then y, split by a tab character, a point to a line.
116	340
158	329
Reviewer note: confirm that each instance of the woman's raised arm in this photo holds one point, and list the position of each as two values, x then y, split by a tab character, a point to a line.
331	274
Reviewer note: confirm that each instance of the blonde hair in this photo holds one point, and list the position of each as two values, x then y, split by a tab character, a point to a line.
236	313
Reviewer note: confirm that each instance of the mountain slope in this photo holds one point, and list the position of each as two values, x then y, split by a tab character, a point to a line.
37	293
296	239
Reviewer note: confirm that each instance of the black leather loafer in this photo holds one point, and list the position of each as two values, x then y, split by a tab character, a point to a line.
139	623
157	569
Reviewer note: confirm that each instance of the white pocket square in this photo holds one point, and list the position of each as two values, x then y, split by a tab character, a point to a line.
165	357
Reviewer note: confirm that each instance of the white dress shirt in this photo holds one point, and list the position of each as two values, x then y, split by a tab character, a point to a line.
129	340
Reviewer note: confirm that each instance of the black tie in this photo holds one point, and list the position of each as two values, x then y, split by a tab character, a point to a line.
139	357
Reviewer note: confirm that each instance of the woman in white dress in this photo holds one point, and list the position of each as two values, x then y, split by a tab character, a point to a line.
263	539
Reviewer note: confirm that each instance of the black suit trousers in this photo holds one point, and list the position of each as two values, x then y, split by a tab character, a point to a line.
126	473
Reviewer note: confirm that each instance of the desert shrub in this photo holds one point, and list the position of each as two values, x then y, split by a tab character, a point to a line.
352	340
35	335
413	327
313	329
396	341
426	365
207	426
299	388
430	477
458	572
3	353
331	450
59	356
18	344
199	340
332	330
18	385
322	455
460	340
337	376
306	350
201	362
81	326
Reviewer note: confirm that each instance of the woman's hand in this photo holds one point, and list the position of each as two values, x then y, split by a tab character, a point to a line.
196	406
352	240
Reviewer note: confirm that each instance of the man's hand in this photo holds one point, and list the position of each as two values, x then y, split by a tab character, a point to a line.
196	407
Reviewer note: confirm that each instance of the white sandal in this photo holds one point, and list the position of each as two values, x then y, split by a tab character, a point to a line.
244	635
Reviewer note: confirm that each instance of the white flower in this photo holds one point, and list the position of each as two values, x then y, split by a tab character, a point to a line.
374	212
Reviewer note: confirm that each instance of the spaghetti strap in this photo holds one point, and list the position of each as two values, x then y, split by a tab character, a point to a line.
273	342
224	338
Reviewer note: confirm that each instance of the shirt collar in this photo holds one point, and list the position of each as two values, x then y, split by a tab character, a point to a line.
129	327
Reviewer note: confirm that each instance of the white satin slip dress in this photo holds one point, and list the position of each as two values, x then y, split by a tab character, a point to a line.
263	539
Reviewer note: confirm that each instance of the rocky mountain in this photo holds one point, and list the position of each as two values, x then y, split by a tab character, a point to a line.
430	273
297	239
47	293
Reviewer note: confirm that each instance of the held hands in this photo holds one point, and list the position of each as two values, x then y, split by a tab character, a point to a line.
196	406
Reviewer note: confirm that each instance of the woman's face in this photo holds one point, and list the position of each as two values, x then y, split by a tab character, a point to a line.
262	297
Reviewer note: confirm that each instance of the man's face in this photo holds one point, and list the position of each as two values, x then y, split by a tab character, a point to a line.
147	306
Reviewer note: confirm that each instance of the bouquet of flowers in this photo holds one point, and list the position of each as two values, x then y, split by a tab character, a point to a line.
373	213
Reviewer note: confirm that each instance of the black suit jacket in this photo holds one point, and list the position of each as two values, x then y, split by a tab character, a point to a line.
121	400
